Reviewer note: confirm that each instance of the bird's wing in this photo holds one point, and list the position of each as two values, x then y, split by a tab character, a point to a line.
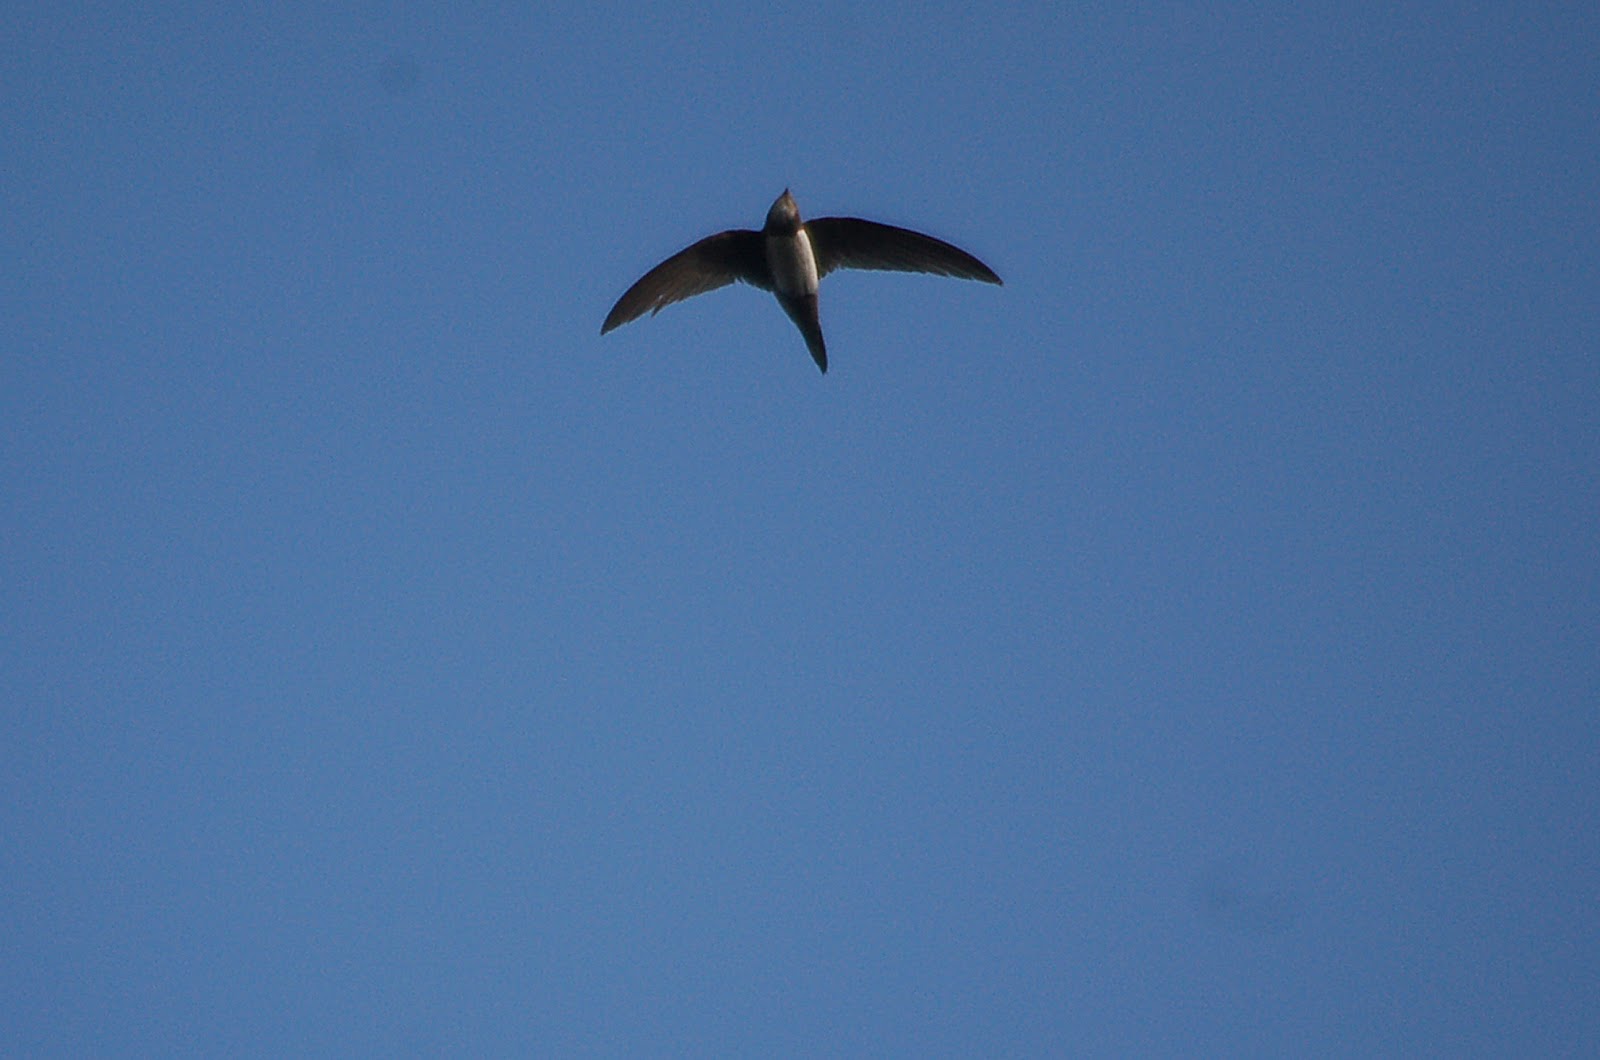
851	243
715	261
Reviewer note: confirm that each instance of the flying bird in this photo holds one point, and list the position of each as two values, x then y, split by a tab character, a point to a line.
787	257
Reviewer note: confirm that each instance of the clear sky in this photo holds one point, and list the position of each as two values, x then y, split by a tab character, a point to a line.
1189	648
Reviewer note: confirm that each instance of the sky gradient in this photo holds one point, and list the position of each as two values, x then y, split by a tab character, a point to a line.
1188	648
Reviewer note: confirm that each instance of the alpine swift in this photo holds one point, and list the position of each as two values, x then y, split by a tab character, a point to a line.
788	257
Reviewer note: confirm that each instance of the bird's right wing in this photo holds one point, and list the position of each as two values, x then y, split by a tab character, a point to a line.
851	243
715	261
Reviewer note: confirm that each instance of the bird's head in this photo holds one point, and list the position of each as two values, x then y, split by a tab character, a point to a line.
784	215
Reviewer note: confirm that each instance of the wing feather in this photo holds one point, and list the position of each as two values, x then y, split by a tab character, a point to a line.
851	243
713	262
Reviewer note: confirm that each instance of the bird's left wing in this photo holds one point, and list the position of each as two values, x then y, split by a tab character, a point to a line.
715	261
851	243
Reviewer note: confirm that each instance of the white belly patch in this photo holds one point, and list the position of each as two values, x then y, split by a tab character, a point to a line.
794	267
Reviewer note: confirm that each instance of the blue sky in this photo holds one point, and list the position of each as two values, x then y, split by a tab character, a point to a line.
1188	648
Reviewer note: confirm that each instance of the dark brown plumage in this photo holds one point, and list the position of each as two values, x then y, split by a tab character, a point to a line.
788	257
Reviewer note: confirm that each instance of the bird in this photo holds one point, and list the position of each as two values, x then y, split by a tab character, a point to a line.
788	257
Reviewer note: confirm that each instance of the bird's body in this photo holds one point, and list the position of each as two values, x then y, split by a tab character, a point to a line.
789	257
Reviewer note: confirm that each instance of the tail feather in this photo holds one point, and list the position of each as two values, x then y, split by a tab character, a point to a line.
802	309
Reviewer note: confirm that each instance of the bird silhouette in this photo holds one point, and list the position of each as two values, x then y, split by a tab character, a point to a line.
788	257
